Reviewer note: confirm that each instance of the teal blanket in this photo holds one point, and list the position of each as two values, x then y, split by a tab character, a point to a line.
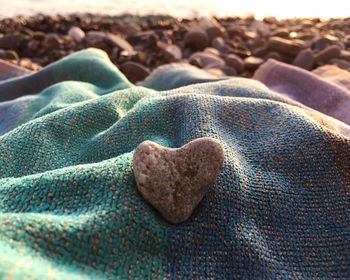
69	207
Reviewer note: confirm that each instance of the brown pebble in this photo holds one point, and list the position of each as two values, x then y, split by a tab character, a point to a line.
12	41
273	55
261	52
260	27
283	33
202	59
219	44
228	70
39	36
11	55
252	63
135	72
224	69
234	30
289	47
212	51
235	61
211	26
345	55
341	63
119	42
147	39
327	54
174	51
76	34
216	72
52	41
196	39
175	180
114	41
305	59
324	42
213	32
28	64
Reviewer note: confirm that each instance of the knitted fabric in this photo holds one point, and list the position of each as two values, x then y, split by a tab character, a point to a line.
69	207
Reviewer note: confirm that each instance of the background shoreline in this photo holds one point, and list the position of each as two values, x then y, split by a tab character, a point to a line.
233	46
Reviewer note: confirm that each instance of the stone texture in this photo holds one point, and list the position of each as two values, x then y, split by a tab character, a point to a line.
345	55
158	41
196	39
215	72
110	39
202	59
212	51
252	63
174	181
52	41
285	46
147	39
327	54
224	70
282	33
235	61
211	26
5	54
174	51
135	72
305	59
76	33
12	41
324	42
273	55
341	63
219	44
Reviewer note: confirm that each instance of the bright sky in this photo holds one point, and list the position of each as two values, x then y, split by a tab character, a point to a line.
278	8
183	8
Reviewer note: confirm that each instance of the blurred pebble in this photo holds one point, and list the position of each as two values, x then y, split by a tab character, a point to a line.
305	59
76	34
235	61
135	72
202	59
252	63
328	53
196	39
6	54
285	46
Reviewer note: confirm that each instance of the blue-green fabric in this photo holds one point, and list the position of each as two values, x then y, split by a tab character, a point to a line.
69	207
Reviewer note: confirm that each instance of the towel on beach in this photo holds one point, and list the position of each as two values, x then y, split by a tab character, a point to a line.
69	207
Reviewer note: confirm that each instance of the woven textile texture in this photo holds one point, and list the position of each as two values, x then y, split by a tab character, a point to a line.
69	207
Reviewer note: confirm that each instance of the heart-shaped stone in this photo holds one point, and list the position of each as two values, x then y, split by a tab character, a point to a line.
174	180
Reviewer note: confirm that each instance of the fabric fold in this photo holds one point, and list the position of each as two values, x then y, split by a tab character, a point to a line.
306	88
69	206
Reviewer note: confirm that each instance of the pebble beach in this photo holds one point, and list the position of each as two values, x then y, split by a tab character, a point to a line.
232	46
166	146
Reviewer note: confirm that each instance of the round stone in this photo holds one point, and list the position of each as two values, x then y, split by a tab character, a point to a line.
327	54
11	41
289	47
305	59
135	72
252	63
235	61
76	34
11	55
204	59
196	39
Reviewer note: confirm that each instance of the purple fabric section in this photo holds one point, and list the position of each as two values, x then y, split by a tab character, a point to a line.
9	70
335	75
307	88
